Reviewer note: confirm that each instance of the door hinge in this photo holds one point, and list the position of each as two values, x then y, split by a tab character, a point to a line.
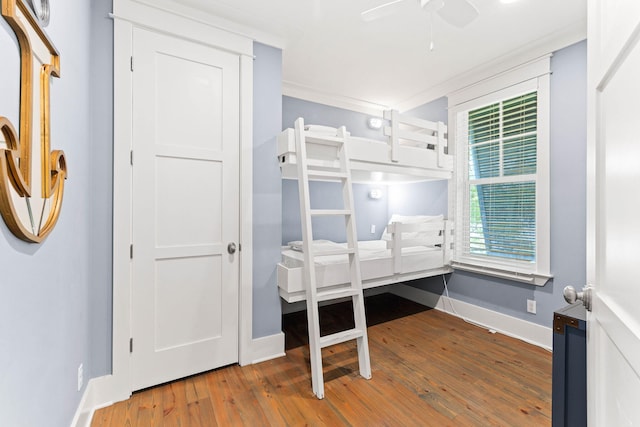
131	251
130	345
132	63
131	157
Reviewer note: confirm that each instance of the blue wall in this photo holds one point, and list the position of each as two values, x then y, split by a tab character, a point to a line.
101	84
267	229
320	114
568	206
568	194
328	195
55	297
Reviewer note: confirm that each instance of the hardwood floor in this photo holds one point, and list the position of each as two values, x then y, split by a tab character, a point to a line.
429	369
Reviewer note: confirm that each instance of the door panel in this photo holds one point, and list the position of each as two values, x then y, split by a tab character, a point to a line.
175	205
613	332
185	208
199	85
184	286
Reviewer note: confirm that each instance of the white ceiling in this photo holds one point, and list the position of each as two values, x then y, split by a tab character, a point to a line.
330	55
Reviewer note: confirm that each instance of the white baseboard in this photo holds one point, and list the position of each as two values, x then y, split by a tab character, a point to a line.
90	402
532	333
267	348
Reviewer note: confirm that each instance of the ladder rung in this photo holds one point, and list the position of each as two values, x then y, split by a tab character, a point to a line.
316	174
329	252
320	163
340	337
326	212
332	141
345	251
336	294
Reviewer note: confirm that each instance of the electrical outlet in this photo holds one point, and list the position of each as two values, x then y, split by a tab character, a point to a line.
531	306
373	228
80	377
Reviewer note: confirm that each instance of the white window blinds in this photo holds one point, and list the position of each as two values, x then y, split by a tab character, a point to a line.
501	179
501	208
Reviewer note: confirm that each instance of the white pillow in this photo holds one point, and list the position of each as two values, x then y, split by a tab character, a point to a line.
413	219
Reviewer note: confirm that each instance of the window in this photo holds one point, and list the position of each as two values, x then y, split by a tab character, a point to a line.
502	182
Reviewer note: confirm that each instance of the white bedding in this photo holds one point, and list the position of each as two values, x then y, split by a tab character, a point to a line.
368	250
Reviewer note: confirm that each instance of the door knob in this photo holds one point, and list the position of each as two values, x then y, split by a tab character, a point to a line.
571	296
231	248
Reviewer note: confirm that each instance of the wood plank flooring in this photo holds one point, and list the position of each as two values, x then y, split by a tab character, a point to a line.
429	369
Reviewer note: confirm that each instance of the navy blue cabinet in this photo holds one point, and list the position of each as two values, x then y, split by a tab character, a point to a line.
569	392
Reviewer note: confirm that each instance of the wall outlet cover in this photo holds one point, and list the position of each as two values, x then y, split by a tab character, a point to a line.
531	306
80	376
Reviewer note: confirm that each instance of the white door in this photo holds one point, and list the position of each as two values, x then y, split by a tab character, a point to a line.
185	208
613	337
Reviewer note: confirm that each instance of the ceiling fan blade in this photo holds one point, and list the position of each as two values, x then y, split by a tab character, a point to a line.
458	13
380	11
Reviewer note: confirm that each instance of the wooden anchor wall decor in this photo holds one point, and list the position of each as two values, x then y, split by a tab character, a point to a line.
31	181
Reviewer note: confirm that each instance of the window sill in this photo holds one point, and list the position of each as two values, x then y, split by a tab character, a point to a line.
535	279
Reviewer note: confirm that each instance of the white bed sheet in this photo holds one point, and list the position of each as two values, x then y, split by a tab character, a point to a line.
368	250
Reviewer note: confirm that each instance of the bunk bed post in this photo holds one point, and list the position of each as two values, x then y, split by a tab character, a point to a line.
442	129
447	244
393	116
396	250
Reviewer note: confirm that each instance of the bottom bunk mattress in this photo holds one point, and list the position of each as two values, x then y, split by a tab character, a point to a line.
376	266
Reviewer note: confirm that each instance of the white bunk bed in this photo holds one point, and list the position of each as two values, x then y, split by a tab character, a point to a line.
415	150
411	247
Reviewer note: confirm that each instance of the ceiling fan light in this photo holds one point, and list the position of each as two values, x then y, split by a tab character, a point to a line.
458	13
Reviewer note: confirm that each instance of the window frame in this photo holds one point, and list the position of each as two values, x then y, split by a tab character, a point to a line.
533	76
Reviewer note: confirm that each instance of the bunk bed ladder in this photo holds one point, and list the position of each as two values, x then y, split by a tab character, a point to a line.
308	171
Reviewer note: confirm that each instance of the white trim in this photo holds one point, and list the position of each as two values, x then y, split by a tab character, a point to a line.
299	91
245	297
529	332
522	76
543	179
533	75
555	42
509	273
117	387
122	205
151	12
90	402
524	54
267	348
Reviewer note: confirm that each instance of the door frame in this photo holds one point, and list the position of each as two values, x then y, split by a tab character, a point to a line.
129	14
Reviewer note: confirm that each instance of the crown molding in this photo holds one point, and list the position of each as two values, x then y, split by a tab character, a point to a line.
514	59
527	53
121	7
307	93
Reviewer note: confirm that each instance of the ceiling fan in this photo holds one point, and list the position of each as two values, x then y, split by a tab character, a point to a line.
458	13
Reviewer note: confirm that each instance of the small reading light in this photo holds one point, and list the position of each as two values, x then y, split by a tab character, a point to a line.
375	193
374	123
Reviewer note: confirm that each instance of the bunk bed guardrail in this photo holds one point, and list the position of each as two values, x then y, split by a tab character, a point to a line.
415	149
411	251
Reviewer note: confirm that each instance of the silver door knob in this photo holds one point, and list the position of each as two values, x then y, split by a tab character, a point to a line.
571	296
231	248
